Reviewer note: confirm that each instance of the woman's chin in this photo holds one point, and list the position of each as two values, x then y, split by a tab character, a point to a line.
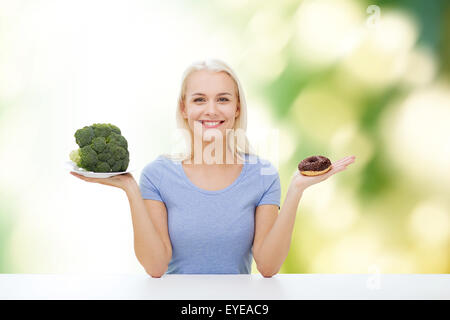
210	134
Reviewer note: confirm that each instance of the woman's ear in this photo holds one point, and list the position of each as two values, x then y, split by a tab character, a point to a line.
238	111
183	109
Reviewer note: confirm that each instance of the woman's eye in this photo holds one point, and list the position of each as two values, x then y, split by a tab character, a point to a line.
220	99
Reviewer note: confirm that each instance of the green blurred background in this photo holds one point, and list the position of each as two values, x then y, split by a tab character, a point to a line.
331	77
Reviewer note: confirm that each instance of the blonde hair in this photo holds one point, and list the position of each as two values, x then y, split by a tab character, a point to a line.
241	145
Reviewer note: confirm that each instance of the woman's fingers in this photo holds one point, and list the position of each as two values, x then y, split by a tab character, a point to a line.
79	176
346	160
342	165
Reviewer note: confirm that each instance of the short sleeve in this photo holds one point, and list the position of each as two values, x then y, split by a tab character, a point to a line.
271	192
149	182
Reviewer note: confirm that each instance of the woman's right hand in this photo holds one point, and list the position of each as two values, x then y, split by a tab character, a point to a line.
122	181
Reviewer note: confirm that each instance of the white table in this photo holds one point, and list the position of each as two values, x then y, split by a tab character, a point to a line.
226	287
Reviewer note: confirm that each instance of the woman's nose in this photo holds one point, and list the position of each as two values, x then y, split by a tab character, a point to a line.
211	108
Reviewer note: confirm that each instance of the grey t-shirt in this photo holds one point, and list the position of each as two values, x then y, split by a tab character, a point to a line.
211	231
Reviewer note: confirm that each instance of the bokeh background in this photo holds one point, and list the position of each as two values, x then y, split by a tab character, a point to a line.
331	77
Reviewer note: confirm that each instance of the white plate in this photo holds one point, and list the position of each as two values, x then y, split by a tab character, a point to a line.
73	167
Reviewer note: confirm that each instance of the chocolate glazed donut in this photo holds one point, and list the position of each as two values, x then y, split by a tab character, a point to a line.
314	166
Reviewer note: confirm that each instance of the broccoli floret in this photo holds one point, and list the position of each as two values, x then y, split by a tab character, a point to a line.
88	158
102	148
102	167
104	156
99	144
118	152
117	139
84	136
117	166
125	163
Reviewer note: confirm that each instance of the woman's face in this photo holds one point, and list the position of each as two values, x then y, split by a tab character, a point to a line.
210	102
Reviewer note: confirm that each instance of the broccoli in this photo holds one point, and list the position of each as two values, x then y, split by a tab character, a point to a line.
102	148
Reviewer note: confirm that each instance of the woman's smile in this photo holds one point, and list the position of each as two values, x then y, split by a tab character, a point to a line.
211	124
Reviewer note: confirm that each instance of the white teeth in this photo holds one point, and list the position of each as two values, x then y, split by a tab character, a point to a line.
208	123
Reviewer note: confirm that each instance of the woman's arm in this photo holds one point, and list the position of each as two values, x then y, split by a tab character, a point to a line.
151	241
273	233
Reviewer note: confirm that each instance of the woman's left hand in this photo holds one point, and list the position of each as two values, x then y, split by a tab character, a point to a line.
301	182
